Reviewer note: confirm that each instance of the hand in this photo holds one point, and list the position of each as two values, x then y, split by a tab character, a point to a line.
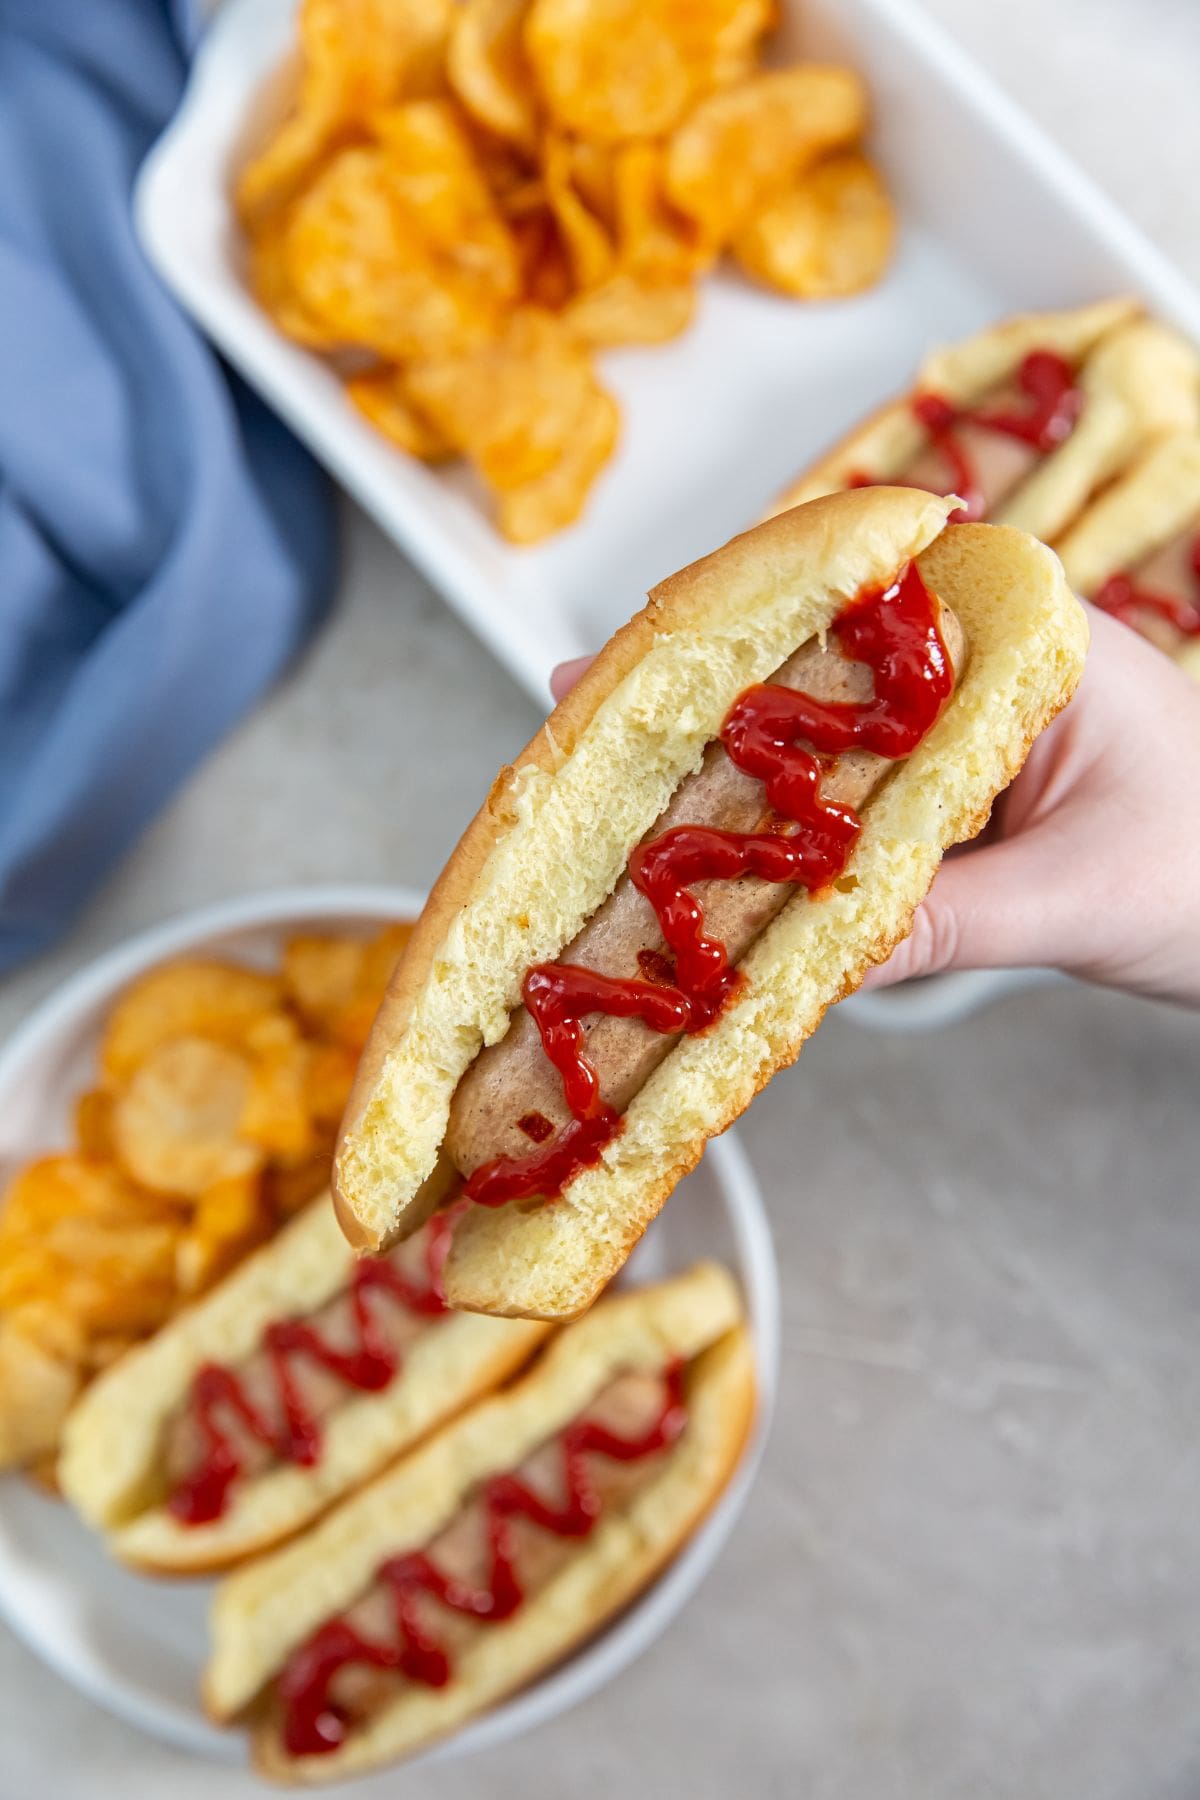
1092	860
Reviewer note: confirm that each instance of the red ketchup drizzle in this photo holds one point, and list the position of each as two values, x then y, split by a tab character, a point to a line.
894	632
1055	403
313	1724
1124	599
370	1366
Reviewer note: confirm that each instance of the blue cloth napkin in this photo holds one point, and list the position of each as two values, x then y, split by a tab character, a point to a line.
165	545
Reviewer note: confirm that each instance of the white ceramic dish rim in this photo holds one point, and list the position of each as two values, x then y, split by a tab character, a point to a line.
89	989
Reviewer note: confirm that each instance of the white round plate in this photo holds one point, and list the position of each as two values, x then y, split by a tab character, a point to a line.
136	1646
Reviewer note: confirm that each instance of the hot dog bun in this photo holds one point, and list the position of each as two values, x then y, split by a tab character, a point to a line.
265	1611
556	830
111	1466
1139	380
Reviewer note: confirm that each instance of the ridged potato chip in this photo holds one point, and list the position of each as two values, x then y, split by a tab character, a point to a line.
742	144
357	56
512	406
621	69
547	280
627	310
590	250
231	1217
488	71
38	1388
830	234
177	1126
93	1123
271	285
184	999
381	396
555	499
398	246
655	241
275	1115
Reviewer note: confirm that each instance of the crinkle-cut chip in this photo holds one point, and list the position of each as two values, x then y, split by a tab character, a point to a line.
556	498
36	1391
654	239
593	171
380	395
745	142
627	310
69	1186
184	999
328	1080
381	953
321	973
620	69
93	1123
287	1190
230	1218
357	56
177	1126
547	280
398	247
271	285
511	406
588	245
275	1115
488	71
829	235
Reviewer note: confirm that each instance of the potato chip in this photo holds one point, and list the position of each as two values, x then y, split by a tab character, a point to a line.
285	1191
321	974
271	285
547	280
177	1126
740	145
275	1115
398	246
38	1389
231	1217
589	248
93	1123
556	498
71	1186
655	241
828	235
328	1080
184	999
381	396
358	56
620	69
627	310
511	406
381	953
488	71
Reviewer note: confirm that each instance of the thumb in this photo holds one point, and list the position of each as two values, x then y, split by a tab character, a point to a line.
987	909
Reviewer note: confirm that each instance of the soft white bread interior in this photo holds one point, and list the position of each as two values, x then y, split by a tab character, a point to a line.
262	1613
884	445
559	827
111	1464
1149	505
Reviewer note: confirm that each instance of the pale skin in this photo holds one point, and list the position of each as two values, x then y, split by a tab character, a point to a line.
1092	860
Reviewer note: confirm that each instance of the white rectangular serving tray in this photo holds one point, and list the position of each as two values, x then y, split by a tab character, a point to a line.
994	219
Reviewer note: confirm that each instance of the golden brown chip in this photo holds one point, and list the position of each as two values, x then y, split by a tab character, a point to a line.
271	285
184	999
626	310
621	69
231	1217
747	141
556	498
381	396
589	248
547	280
357	56
398	246
93	1123
322	973
511	407
488	71
285	1191
655	241
177	1126
329	1078
275	1115
828	235
36	1391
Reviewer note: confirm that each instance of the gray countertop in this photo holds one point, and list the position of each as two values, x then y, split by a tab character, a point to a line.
972	1564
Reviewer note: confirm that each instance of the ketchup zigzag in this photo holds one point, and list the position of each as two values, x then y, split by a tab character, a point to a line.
894	632
371	1364
313	1724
